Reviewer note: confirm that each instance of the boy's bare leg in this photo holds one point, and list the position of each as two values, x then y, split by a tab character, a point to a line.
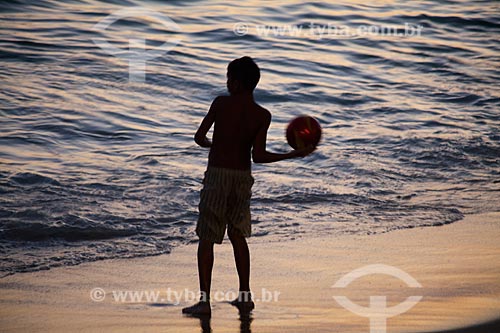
205	265
242	260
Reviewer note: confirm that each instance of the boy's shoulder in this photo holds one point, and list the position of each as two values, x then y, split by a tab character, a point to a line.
225	100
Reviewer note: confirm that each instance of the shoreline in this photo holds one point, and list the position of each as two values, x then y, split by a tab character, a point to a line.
456	264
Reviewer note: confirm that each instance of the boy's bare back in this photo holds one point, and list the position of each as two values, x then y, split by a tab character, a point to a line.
237	123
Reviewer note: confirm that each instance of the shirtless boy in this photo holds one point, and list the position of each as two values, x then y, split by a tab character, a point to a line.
240	134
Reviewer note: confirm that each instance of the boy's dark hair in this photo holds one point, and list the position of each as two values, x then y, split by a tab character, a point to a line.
246	71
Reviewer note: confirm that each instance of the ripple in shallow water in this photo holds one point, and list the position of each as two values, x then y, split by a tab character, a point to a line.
93	166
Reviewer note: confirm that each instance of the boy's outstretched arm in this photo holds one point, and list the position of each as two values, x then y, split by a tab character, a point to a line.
201	134
261	155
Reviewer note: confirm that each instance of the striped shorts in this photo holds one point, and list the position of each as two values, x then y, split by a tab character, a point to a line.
224	200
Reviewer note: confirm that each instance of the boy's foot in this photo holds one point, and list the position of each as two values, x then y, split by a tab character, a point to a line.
200	308
245	306
243	301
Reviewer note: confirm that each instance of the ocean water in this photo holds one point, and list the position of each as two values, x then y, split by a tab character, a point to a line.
96	164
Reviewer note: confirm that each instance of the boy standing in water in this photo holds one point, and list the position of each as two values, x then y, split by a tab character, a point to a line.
240	132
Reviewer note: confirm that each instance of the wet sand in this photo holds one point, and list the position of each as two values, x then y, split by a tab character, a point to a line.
457	266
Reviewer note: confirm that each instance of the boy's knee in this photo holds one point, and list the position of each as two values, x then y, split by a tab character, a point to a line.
204	244
234	234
